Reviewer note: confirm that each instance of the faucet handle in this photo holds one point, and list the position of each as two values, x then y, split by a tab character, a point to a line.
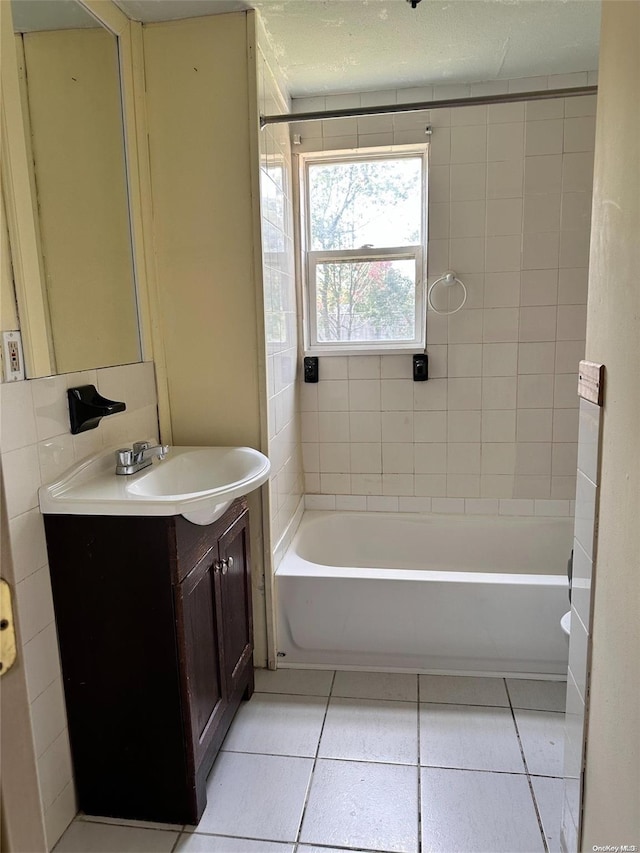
124	457
140	446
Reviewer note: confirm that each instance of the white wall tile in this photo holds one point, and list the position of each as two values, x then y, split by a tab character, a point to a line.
499	392
333	367
55	456
397	394
366	484
577	172
467	218
48	716
396	367
430	458
464	360
42	664
542	212
500	359
21	473
382	504
505	141
430	484
503	253
565	425
365	426
351	503
498	426
333	396
574	248
333	426
579	133
464	394
448	505
503	369
537	323
397	484
505	179
17	421
481	506
430	427
397	458
463	426
324	502
500	113
516	507
544	137
535	391
366	458
498	458
541	250
35	603
548	109
533	458
544	174
496	485
589	440
334	483
364	395
28	544
500	325
469	144
539	287
536	357
397	426
504	216
535	425
468	181
364	366
411	504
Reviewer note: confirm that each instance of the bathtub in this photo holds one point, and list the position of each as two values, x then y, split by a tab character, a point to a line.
425	593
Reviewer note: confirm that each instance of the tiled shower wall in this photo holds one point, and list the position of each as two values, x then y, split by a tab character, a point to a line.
35	446
509	210
278	260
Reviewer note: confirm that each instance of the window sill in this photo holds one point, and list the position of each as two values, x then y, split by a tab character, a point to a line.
366	350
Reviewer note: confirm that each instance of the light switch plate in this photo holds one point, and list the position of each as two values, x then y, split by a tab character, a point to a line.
12	357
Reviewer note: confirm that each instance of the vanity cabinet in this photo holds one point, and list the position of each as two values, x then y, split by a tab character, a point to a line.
155	630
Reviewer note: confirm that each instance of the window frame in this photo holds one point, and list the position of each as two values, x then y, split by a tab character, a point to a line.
312	258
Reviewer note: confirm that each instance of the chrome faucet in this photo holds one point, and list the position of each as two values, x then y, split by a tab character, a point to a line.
141	455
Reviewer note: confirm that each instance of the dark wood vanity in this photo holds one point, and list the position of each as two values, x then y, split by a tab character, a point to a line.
155	629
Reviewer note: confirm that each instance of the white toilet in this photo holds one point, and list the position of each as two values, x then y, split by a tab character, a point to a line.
565	623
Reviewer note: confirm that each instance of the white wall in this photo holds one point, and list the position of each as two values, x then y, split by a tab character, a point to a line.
35	446
495	427
280	308
612	777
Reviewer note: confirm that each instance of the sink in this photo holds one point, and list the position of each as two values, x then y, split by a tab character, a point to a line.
196	482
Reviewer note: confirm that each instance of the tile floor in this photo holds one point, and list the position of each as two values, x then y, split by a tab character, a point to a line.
320	762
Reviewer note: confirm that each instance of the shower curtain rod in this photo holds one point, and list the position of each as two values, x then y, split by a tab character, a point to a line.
476	101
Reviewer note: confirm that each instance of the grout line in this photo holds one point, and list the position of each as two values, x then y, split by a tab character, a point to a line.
529	782
315	761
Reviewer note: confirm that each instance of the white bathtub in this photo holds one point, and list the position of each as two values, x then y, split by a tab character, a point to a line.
425	593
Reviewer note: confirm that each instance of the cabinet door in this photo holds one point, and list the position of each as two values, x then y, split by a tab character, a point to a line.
235	586
200	652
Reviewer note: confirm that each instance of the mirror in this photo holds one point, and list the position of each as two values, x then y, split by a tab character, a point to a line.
71	102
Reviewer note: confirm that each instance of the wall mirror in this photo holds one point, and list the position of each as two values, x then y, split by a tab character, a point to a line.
70	93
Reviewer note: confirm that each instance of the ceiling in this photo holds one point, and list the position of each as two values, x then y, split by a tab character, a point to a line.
335	46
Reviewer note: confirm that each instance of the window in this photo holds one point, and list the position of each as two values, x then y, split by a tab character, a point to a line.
364	234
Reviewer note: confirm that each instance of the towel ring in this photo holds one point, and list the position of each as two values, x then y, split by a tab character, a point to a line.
449	278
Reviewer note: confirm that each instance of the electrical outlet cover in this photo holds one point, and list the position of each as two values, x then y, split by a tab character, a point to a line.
12	357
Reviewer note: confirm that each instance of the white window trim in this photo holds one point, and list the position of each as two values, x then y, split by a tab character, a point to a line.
311	258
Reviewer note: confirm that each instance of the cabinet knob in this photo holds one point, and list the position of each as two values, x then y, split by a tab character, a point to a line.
223	566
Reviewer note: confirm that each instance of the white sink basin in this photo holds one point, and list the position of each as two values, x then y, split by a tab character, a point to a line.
196	482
